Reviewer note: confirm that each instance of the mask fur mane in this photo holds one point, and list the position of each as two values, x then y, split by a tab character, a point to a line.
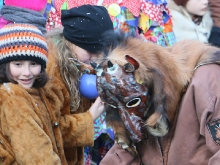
165	71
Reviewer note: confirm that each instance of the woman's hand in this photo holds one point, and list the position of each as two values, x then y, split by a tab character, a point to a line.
97	108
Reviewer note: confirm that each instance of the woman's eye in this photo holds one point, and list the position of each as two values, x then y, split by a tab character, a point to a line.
133	103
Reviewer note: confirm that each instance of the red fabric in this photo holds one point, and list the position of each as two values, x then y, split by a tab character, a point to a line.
155	12
132	5
71	3
54	20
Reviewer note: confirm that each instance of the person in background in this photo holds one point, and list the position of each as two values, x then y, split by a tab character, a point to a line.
80	39
24	11
191	19
214	38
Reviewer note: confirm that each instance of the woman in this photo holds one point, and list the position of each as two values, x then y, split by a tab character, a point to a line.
81	38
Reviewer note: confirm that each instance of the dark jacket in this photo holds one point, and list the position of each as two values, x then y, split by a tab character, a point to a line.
214	38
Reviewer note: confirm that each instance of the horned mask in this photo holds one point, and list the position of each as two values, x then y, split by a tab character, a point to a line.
118	88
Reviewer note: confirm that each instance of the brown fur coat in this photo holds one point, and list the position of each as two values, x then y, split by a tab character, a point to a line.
36	126
77	129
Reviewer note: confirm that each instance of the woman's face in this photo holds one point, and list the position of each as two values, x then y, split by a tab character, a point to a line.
83	55
24	72
197	7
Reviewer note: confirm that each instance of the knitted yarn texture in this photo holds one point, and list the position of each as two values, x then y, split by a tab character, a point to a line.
22	42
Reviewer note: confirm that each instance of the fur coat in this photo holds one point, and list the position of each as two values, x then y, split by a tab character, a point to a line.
77	129
185	28
26	128
36	126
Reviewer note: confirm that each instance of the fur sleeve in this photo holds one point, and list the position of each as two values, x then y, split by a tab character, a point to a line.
77	129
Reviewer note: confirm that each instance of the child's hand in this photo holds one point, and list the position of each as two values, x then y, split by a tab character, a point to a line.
97	108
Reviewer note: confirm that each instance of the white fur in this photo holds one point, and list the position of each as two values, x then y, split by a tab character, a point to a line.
161	127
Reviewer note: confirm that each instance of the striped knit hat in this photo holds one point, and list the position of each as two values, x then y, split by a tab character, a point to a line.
22	42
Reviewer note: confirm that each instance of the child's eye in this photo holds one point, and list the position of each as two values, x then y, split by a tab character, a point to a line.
34	63
17	63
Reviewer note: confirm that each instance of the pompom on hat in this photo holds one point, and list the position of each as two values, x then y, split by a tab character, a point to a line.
22	42
84	26
36	5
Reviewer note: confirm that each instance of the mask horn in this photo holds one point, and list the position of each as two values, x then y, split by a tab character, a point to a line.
110	65
94	65
97	68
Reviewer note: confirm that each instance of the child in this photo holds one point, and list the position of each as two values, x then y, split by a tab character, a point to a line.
31	127
26	128
191	19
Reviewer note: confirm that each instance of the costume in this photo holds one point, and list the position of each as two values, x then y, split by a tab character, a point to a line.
185	28
196	139
130	16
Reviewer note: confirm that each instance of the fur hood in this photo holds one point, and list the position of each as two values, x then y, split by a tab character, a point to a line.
185	28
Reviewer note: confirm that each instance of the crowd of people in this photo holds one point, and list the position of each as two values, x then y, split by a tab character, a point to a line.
44	119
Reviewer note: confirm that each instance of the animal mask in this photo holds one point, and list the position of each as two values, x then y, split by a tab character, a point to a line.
118	88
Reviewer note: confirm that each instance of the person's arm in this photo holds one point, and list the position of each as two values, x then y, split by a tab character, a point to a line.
207	103
21	125
77	128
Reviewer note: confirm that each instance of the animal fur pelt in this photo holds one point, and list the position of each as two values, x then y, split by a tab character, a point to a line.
165	72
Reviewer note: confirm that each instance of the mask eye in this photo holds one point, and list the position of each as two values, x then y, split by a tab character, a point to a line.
133	103
112	106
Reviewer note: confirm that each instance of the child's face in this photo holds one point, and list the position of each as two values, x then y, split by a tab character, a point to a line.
24	72
197	7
